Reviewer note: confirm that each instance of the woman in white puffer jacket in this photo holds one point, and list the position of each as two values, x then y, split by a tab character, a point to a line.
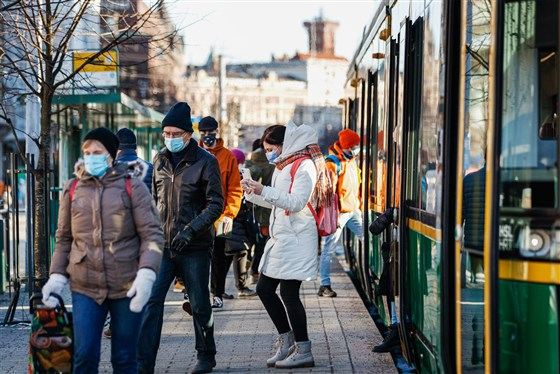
290	255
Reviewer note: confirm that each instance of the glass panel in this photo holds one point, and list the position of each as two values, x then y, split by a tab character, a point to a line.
528	151
432	114
528	325
528	158
473	276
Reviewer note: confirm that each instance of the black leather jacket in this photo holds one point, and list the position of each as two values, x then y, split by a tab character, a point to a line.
188	196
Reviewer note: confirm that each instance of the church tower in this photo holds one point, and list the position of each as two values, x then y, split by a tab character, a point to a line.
321	36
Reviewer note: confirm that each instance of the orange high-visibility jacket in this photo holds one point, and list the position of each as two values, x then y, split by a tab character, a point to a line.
347	181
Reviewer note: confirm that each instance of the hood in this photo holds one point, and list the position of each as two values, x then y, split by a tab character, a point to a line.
136	169
259	158
297	138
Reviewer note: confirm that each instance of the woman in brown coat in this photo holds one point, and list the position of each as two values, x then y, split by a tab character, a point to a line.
109	246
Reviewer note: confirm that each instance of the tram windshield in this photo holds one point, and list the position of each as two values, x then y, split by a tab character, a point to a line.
528	159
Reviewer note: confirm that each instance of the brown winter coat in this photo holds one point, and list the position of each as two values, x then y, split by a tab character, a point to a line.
104	235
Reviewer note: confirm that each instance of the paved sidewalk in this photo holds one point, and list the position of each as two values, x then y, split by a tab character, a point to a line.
340	328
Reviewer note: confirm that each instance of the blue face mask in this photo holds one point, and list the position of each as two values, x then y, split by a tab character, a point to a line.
174	144
96	165
271	156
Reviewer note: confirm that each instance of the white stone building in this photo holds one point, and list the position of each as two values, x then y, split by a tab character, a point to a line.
305	88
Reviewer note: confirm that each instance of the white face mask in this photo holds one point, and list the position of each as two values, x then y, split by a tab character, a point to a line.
355	151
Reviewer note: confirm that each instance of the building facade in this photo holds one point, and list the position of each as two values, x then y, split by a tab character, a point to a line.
246	98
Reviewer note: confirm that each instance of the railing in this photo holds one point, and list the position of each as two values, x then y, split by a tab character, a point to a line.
17	221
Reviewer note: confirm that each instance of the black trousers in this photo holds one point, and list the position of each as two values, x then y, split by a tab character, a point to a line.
285	312
258	252
218	268
239	261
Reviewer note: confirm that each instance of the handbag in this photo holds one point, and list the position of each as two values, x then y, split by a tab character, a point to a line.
51	341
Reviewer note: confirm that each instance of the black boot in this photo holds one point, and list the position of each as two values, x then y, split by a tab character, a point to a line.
390	342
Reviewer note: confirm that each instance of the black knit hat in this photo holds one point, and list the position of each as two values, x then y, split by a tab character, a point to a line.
105	137
207	124
127	139
179	116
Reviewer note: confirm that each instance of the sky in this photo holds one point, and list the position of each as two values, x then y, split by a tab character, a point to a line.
251	31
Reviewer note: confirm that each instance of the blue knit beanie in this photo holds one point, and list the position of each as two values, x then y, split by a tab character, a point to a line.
127	139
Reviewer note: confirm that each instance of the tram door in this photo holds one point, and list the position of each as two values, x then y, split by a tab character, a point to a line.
527	238
471	199
397	179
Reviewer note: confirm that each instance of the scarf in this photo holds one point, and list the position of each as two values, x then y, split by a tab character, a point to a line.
323	191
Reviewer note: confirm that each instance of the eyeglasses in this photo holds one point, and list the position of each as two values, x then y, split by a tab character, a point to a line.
178	134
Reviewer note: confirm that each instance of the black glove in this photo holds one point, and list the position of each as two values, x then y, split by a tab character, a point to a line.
381	222
181	241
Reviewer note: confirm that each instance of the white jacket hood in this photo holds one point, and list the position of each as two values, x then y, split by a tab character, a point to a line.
297	138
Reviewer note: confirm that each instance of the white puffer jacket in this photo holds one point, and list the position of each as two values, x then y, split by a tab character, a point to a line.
291	251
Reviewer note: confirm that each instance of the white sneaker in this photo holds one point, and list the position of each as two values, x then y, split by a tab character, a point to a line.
217	303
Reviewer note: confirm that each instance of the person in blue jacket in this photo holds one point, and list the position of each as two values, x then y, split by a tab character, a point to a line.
127	153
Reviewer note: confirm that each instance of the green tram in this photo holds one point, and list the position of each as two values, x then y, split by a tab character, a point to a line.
457	103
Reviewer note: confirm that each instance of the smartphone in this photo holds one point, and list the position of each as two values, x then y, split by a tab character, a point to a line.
246	173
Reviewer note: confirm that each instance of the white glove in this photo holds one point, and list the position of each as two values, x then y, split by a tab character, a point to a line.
141	289
55	284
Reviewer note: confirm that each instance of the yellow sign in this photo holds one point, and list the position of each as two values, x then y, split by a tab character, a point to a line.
106	62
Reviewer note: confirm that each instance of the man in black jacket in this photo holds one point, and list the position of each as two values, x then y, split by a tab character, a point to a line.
187	188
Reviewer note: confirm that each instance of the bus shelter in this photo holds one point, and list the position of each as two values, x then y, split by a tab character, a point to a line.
78	114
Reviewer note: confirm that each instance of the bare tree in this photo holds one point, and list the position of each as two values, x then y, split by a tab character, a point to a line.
36	41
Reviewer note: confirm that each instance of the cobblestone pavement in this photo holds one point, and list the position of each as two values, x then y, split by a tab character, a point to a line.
340	328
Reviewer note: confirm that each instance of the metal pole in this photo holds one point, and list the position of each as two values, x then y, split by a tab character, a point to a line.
15	213
47	176
29	177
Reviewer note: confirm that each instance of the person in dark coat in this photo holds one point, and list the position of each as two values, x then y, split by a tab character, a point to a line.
261	171
474	185
237	246
187	188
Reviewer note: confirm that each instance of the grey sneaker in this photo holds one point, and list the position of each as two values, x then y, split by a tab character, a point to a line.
326	291
246	292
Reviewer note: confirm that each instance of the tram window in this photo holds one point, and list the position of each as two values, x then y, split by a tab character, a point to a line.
528	158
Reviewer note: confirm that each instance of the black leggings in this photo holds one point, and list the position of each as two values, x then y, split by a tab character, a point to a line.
289	291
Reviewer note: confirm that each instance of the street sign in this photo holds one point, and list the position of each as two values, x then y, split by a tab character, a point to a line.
102	72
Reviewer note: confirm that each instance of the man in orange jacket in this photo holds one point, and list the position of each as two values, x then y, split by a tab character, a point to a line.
346	182
231	186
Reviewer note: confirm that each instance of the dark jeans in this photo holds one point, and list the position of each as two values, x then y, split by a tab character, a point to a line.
88	320
219	270
289	291
239	261
258	252
193	267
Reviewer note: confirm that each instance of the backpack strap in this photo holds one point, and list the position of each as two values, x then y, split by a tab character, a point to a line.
333	158
73	188
295	166
76	180
129	187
